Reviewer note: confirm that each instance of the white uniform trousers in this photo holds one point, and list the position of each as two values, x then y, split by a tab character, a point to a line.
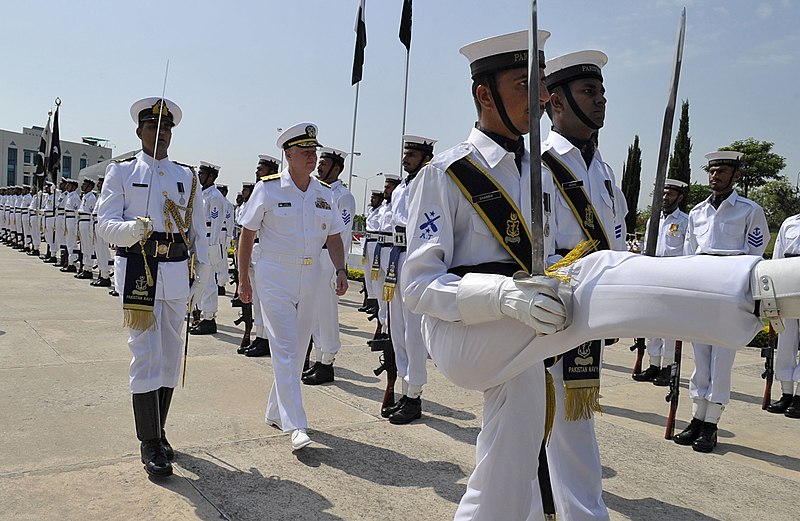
157	354
383	306
26	229
85	231
663	348
222	267
371	285
406	331
287	293
504	484
258	318
574	460
60	235
326	328
786	366
102	255
71	240
209	304
711	378
36	232
48	234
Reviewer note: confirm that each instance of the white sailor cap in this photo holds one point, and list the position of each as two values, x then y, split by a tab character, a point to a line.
675	184
73	181
299	135
87	179
724	157
332	153
209	167
264	158
573	66
148	109
423	144
391	177
248	184
223	186
374	193
498	53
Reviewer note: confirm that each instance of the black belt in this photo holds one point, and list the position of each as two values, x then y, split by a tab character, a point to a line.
385	244
255	241
790	255
498	268
158	246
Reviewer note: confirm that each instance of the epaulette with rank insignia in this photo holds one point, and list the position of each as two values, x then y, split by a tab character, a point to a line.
323	183
190	167
125	160
270	177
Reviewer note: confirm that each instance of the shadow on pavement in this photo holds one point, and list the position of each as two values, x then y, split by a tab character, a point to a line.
247	494
650	508
779	460
466	435
383	466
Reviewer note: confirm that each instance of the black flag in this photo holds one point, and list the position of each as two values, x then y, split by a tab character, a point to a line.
54	158
361	42
41	157
405	25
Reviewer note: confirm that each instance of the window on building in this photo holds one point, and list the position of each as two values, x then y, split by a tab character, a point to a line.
29	156
26	179
11	172
66	166
83	163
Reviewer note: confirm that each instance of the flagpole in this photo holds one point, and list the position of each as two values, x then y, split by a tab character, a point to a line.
353	138
405	108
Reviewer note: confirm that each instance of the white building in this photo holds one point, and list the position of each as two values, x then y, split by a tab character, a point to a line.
18	154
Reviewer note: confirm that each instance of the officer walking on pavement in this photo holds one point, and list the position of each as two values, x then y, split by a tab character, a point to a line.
151	208
294	215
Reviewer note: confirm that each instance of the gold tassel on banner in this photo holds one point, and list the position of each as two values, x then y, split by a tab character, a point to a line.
581	402
139	320
550	408
388	291
375	273
560	270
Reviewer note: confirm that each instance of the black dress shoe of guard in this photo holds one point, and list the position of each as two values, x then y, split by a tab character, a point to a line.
708	438
664	376
312	369
221	291
781	405
388	411
103	282
648	375
84	275
204	327
169	453
323	375
410	410
690	434
259	347
794	409
155	461
70	268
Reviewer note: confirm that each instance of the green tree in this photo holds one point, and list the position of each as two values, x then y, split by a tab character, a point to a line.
359	222
779	199
679	165
631	182
697	194
759	164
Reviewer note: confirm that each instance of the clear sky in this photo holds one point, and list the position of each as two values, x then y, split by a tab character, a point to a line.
240	70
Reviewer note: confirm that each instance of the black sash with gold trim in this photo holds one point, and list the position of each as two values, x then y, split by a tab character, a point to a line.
496	209
581	366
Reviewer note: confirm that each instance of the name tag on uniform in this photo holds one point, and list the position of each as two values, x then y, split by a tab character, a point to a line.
140	185
488	196
180	187
571	185
284	205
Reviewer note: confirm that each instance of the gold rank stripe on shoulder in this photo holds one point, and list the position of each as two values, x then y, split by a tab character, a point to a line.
190	167
271	177
323	183
125	160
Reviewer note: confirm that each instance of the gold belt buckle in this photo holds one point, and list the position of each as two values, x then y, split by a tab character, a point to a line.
306	261
162	249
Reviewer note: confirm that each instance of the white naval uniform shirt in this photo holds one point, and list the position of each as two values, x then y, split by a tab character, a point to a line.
444	229
347	207
737	227
600	187
88	202
26	201
385	216
373	219
289	222
671	234
788	241
71	203
229	223
215	208
124	197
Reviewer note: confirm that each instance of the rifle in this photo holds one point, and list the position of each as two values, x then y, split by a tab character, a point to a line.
247	318
388	364
639	347
768	354
674	390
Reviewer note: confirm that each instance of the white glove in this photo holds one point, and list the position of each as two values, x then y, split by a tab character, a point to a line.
534	301
202	275
142	228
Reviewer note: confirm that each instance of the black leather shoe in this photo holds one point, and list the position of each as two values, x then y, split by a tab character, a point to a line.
793	411
688	435
648	375
323	375
308	372
85	275
221	291
204	327
781	405
664	376
236	302
113	293
708	438
155	461
410	410
388	411
169	453
259	347
70	268
102	282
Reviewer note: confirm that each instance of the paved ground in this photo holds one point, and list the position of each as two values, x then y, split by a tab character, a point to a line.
69	450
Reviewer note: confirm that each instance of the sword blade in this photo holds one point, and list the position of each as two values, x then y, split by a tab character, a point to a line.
535	147
666	137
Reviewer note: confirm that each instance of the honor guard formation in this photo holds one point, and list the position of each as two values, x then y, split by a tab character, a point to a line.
448	276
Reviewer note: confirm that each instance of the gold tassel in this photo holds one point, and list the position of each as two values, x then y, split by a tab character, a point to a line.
581	402
147	271
138	319
559	269
550	408
388	292
375	273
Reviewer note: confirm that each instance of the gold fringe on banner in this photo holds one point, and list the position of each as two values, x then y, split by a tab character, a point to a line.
559	269
388	291
139	319
550	408
375	273
581	402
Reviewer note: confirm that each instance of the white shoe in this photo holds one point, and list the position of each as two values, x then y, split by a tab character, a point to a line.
300	439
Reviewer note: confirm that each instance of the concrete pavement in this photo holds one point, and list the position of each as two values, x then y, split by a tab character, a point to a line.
69	449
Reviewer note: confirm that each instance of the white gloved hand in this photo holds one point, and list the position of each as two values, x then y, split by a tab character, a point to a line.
142	228
202	275
534	301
